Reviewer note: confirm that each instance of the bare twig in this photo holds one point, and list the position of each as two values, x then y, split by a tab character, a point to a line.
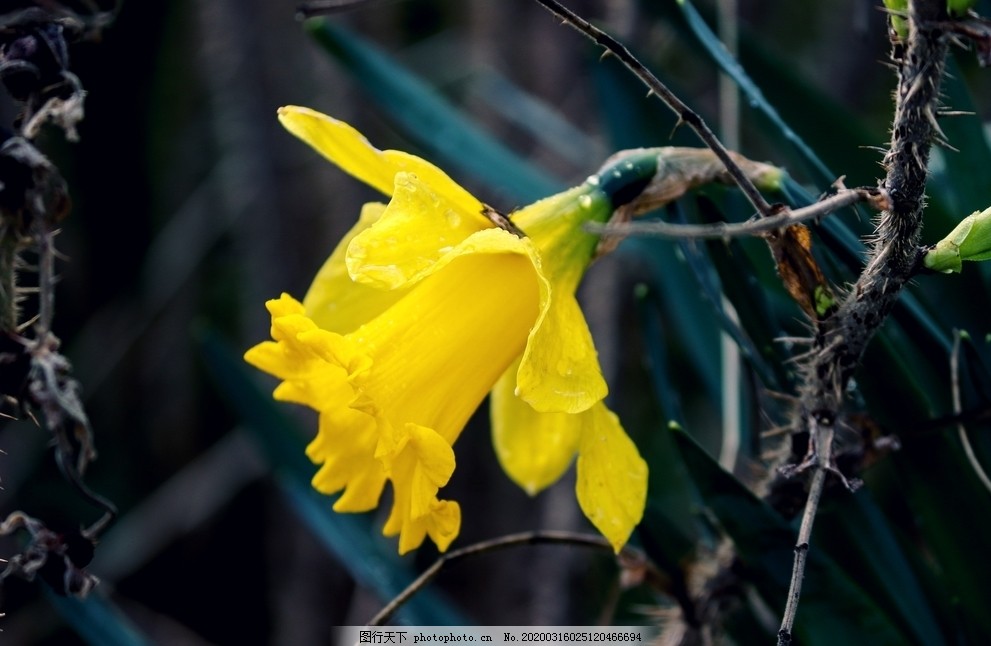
722	230
628	555
802	549
683	112
968	450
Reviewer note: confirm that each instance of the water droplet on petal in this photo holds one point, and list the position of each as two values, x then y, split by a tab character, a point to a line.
593	180
453	218
585	201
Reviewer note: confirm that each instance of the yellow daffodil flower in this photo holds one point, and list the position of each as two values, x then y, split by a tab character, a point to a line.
422	310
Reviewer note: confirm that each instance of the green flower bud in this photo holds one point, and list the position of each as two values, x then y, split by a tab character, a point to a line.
959	8
970	240
897	13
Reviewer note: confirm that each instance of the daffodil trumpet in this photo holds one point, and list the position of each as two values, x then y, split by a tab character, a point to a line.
433	302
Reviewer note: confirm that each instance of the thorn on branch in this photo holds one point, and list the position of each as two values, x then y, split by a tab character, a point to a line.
972	28
681	110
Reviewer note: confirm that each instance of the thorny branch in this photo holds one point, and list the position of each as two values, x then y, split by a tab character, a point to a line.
684	113
841	331
841	339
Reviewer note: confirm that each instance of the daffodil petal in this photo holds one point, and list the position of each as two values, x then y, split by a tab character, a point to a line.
318	368
334	301
434	466
480	306
560	369
286	357
534	449
612	477
349	150
424	464
442	524
283	306
340	144
419	227
346	456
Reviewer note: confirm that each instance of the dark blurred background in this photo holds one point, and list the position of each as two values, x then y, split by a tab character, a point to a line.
192	207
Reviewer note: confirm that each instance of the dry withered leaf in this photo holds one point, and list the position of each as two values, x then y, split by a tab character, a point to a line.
800	273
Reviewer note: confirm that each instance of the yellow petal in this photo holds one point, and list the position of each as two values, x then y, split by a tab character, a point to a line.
348	149
442	524
283	306
345	447
439	350
560	369
337	303
420	226
433	468
534	449
425	463
612	477
286	357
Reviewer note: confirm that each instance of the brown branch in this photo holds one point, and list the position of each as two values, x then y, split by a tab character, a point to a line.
656	87
895	252
724	230
801	554
842	338
628	555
